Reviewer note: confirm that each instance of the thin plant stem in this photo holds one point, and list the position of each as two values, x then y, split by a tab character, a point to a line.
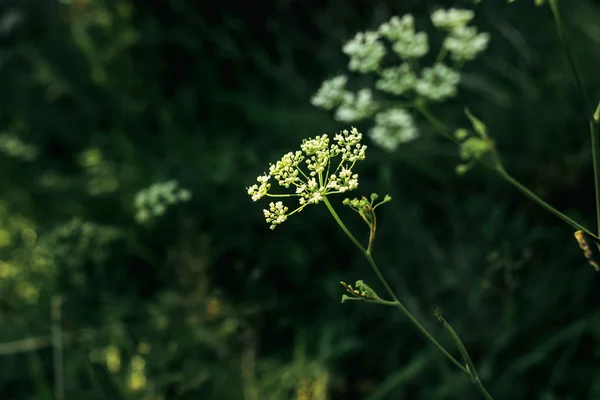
562	34
564	40
482	389
401	307
541	202
465	354
596	159
57	349
388	288
498	168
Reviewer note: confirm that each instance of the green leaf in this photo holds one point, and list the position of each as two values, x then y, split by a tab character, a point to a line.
478	126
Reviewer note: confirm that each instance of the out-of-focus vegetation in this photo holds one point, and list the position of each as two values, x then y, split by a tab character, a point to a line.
134	265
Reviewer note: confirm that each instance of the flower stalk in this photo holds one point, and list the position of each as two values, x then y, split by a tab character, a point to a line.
593	123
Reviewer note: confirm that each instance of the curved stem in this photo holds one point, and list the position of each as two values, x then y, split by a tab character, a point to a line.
596	160
389	290
562	34
541	202
396	302
482	389
441	128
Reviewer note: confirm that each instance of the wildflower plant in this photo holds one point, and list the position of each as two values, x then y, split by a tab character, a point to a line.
323	167
395	123
320	168
314	174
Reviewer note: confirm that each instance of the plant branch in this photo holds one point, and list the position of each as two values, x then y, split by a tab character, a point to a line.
470	369
498	168
564	40
389	290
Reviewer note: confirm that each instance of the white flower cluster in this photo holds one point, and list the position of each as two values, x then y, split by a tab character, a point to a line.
154	200
365	51
350	106
331	94
356	106
397	80
392	128
407	43
463	42
437	82
451	19
319	178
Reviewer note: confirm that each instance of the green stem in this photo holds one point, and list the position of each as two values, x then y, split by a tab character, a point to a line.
482	389
527	192
463	351
564	40
396	302
389	290
441	128
562	34
596	159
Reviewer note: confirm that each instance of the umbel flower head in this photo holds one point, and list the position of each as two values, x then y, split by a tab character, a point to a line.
321	167
407	76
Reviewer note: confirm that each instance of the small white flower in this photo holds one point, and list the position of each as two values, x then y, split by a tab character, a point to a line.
365	52
464	43
258	192
392	128
397	80
438	82
398	28
407	43
451	19
276	214
285	170
414	46
356	107
331	93
347	181
315	198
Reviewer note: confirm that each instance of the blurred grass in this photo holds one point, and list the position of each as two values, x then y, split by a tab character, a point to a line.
207	299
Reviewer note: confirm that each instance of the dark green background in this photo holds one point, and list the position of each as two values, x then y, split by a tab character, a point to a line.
208	93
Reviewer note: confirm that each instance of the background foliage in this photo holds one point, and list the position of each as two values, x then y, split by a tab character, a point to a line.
129	131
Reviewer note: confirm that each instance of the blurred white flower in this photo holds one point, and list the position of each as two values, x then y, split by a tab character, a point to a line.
451	19
356	106
464	43
392	128
438	82
406	42
397	81
365	51
331	93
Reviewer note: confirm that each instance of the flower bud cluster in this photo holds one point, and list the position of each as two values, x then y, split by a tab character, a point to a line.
312	172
